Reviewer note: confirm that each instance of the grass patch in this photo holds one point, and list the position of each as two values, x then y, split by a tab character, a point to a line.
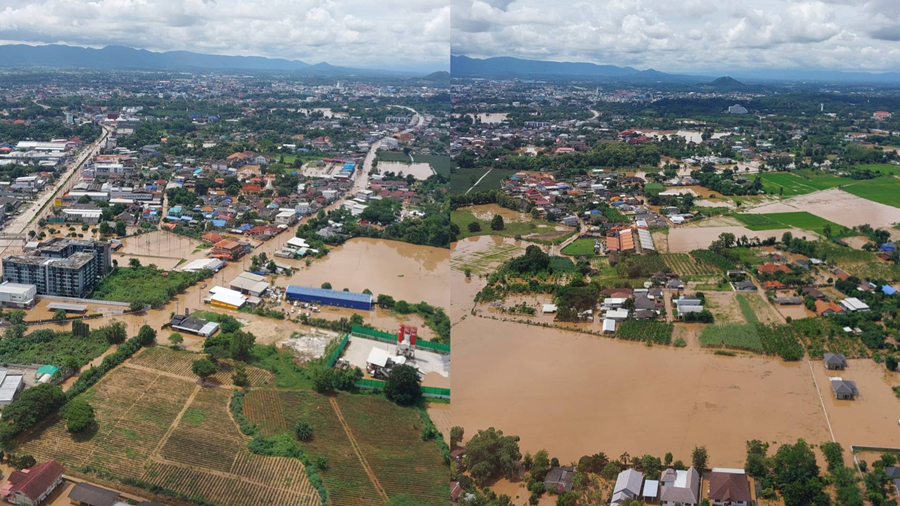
146	285
741	336
802	220
656	332
580	247
791	184
463	179
746	309
49	347
287	373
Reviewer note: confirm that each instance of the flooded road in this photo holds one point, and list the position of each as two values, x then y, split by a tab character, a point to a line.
574	394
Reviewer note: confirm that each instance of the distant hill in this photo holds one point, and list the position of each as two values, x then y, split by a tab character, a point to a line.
121	57
727	82
440	78
465	66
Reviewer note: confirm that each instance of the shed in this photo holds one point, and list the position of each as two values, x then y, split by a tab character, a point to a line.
609	326
85	494
10	386
45	370
328	297
69	308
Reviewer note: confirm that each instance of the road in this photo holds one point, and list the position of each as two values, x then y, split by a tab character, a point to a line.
362	177
39	208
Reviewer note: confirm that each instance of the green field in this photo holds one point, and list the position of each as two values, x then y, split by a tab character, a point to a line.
801	220
794	184
462	179
580	247
884	190
885	168
462	217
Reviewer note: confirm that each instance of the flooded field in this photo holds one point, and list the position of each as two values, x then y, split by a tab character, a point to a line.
563	391
700	236
688	135
419	170
404	271
481	255
490	117
835	205
326	112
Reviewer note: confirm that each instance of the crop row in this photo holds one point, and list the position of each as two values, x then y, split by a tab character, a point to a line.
713	258
656	332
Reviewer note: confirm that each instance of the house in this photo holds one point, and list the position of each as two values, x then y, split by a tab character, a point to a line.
835	361
560	479
772	284
628	486
813	292
789	301
854	304
827	308
33	485
745	286
844	389
651	491
680	488
455	491
770	268
729	487
85	494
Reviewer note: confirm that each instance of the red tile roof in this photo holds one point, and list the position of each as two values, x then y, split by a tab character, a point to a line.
34	481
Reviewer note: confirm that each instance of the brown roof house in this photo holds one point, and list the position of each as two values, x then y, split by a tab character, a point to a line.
729	487
680	488
33	485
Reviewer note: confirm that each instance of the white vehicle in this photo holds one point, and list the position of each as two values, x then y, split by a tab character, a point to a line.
292	310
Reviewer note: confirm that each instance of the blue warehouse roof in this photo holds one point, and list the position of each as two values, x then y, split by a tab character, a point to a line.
295	290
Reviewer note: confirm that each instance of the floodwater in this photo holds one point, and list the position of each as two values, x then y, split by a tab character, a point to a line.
490	117
685	239
487	211
481	254
566	393
402	270
326	112
419	170
838	206
688	135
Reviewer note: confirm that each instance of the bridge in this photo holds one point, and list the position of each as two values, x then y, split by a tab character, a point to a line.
14	237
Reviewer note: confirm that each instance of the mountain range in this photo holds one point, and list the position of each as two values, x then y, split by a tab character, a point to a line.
504	66
121	57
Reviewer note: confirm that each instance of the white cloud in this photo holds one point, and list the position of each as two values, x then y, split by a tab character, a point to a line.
687	35
383	34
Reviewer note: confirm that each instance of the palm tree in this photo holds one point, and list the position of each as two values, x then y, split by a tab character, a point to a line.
624	458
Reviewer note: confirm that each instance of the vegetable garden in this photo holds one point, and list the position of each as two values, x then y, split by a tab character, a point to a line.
686	266
179	363
656	332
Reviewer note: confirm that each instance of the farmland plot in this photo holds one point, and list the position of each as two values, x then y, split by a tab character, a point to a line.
179	363
278	412
389	437
684	265
134	409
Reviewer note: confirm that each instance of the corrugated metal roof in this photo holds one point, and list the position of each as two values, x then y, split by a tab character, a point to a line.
323	292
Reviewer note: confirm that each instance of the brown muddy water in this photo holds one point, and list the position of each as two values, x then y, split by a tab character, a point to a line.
419	170
404	271
574	394
686	239
838	206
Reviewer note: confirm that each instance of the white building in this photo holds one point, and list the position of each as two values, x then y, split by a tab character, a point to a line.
17	295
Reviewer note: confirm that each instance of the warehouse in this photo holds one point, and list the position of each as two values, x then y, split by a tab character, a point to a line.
17	294
223	297
250	284
10	386
329	297
213	264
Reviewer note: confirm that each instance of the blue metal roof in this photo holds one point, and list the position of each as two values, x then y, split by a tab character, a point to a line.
323	292
888	290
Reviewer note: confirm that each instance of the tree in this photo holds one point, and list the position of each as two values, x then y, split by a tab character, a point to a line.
796	475
786	239
497	222
239	376
303	430
756	458
385	301
540	465
474	227
146	335
105	229
490	455
176	339
356	320
59	315
456	435
24	462
699	457
120	228
203	367
241	344
891	363
668	459
403	386
16	317
826	230
326	285
115	332
134	263
136	306
79	416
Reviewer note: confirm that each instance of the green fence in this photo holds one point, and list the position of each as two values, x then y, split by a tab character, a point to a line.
392	338
443	393
339	350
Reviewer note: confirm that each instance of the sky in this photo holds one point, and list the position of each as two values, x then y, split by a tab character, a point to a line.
385	34
685	36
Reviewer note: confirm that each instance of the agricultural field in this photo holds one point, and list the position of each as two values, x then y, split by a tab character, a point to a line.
884	190
483	261
884	168
387	436
179	363
822	334
801	220
687	267
712	258
442	164
390	439
278	412
166	432
771	339
463	179
794	184
649	331
746	309
462	217
580	247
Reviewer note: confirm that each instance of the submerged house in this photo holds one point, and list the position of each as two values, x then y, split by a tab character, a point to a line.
680	488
